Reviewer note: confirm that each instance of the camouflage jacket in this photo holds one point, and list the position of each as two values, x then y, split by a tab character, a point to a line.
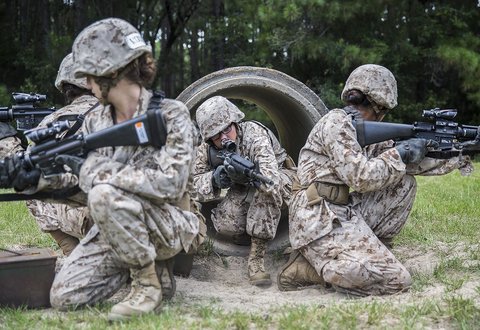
158	175
333	155
255	142
79	106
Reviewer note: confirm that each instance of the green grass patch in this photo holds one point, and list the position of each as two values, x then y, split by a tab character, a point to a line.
18	227
446	209
446	212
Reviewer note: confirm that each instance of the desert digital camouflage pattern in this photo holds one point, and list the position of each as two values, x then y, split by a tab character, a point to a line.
71	220
132	196
9	146
65	74
343	242
258	215
215	114
107	46
376	82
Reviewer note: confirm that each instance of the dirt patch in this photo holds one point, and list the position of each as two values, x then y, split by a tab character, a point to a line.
223	282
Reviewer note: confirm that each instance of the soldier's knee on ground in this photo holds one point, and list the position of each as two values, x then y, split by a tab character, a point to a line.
356	275
351	273
60	298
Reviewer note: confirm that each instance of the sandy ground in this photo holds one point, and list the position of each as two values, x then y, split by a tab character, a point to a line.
223	282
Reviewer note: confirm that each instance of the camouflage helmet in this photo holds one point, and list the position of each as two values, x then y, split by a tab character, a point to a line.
215	114
376	82
65	75
106	46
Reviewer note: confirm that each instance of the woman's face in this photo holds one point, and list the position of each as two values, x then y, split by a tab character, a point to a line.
229	133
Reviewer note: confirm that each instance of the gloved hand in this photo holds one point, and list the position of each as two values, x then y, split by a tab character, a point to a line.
413	150
25	179
75	163
235	176
13	175
220	178
7	172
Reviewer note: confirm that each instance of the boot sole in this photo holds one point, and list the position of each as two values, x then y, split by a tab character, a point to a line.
261	283
114	317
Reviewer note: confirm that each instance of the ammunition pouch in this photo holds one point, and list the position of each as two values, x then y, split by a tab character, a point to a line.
333	193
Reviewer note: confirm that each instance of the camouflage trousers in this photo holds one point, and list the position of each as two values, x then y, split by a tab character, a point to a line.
351	257
129	232
248	210
74	221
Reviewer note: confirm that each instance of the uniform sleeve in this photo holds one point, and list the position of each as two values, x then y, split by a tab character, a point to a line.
262	154
431	166
203	189
167	176
352	166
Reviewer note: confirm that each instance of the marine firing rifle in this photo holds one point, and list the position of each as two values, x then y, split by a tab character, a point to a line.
453	139
147	129
24	111
227	156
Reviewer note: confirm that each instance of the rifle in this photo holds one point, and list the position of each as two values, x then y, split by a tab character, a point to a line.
228	157
24	111
147	129
453	138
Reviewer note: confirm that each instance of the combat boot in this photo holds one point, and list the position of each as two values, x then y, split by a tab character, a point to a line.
66	242
164	270
297	273
256	263
145	295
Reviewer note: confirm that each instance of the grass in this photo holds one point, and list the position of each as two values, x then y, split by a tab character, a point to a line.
446	212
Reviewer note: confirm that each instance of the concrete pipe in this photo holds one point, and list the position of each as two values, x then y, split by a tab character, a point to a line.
293	108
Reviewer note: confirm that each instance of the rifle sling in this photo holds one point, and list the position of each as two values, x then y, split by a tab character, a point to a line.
159	136
78	123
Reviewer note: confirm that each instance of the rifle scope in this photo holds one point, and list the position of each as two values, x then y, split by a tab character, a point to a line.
440	114
21	98
47	133
229	145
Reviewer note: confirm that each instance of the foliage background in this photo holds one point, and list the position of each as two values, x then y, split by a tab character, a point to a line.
432	47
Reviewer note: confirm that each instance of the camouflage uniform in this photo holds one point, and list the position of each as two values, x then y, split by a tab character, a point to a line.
132	197
50	217
74	221
246	209
343	241
9	143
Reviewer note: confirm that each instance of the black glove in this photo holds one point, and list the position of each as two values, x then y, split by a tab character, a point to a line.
220	178
9	167
75	163
13	175
25	179
413	150
235	176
